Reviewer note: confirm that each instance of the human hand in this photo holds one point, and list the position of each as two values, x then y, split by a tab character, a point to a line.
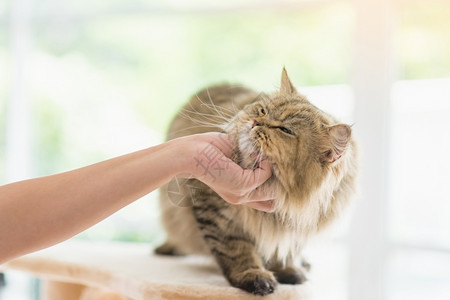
208	160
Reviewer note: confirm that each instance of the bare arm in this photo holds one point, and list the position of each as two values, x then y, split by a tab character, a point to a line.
40	212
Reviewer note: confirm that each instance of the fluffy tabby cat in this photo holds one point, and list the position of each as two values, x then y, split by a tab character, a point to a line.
313	159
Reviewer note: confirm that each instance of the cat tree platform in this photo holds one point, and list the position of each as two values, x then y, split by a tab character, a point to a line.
118	271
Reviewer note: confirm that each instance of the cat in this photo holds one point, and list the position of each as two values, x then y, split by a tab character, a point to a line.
314	166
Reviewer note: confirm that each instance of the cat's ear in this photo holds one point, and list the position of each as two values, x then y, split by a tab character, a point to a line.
338	138
286	85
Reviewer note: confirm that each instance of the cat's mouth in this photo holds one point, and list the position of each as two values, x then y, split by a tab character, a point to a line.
250	149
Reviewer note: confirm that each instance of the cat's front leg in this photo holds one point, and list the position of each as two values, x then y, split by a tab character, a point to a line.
241	265
233	249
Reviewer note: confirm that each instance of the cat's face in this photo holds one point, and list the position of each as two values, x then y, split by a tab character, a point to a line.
300	140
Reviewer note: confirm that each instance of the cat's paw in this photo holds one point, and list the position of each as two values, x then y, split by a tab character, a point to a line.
255	281
290	275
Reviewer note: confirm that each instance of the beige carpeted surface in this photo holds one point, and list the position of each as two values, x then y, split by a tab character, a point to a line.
131	270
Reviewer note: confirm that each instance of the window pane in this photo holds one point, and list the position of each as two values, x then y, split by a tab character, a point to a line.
3	5
420	164
424	39
418	275
329	270
3	95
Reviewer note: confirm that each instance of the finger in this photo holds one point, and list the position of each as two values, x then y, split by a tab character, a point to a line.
266	206
254	178
260	194
224	143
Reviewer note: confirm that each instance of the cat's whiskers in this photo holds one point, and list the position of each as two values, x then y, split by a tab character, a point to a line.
225	113
214	124
222	114
259	157
212	104
233	110
215	120
204	118
214	108
205	115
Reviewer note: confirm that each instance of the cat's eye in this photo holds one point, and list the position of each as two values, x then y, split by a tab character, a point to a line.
262	111
286	130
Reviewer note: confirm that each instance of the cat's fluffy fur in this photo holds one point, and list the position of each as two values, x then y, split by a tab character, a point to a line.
314	164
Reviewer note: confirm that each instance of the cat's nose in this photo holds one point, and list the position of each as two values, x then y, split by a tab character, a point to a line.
256	123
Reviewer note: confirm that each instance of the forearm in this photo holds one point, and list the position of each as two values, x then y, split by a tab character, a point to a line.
40	212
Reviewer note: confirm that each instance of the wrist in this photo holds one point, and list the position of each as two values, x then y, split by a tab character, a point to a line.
182	154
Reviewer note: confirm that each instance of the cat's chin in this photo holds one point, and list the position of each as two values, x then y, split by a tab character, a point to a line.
249	150
257	157
250	159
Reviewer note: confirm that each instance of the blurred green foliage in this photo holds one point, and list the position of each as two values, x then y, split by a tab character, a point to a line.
48	137
162	60
424	40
